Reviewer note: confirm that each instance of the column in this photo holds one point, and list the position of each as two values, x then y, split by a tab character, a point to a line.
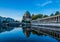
56	19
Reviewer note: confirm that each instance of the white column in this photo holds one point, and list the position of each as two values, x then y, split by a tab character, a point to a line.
56	19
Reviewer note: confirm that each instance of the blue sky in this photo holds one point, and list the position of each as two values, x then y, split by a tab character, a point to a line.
16	8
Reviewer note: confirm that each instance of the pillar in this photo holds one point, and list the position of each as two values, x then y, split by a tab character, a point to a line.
58	18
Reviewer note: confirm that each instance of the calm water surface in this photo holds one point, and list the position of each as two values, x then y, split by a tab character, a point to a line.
23	35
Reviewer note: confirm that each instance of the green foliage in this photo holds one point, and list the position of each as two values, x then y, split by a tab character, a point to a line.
36	16
39	15
57	12
23	21
45	16
52	14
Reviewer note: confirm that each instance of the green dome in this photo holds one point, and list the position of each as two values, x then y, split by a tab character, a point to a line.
27	15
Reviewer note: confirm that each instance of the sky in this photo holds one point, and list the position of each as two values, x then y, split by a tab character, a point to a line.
16	8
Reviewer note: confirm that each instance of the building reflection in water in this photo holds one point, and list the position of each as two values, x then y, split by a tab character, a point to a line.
27	32
36	33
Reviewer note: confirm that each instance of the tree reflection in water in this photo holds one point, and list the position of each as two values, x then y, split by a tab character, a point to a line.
3	29
27	32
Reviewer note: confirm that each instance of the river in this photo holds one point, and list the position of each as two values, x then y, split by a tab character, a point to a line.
19	34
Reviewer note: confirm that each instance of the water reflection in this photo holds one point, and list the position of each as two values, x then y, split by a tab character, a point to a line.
39	34
3	29
23	34
34	36
26	31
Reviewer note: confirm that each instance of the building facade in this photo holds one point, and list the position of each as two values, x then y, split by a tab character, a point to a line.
27	17
51	19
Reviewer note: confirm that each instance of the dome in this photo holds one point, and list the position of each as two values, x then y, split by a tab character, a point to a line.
27	15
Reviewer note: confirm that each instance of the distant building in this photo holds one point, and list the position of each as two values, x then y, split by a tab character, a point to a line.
9	20
4	19
27	16
26	19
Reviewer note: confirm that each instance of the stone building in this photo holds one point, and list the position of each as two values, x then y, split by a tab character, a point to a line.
27	17
51	19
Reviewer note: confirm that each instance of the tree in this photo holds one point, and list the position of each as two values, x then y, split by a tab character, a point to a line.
32	14
39	15
52	14
45	16
36	16
57	12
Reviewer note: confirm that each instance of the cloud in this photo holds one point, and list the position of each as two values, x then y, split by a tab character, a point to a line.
44	4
